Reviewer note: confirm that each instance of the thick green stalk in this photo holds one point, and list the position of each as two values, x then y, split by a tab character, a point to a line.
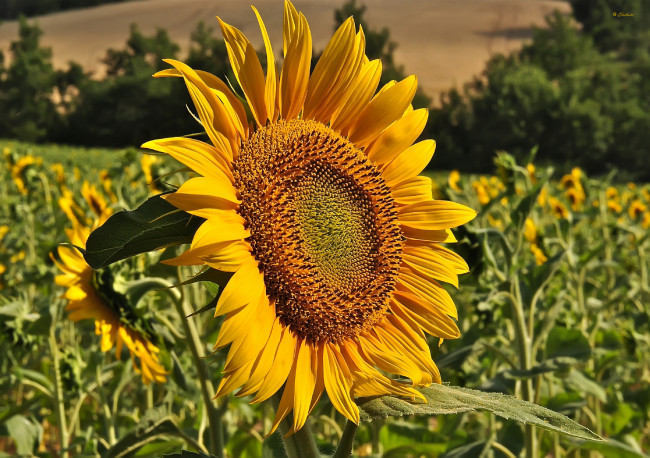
301	444
344	450
207	390
524	343
58	395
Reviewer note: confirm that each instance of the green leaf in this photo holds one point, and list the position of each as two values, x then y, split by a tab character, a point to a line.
443	400
136	289
579	382
526	204
466	451
188	454
562	342
25	434
153	225
612	449
142	435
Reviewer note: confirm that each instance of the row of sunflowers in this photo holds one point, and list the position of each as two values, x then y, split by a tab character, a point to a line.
564	262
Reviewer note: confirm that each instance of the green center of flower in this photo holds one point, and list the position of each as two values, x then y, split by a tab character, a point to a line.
333	221
323	228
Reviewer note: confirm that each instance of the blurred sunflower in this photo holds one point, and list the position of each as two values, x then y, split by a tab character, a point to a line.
454	180
530	231
576	196
19	169
540	257
636	209
91	295
558	208
317	207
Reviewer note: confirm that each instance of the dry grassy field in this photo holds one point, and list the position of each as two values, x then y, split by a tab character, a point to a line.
443	42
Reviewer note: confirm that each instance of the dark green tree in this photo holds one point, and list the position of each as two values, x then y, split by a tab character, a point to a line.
27	83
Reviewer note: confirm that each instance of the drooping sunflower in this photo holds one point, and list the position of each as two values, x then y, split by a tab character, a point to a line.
90	294
316	206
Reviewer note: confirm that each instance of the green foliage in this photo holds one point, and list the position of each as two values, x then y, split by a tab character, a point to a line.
584	310
578	103
26	87
444	400
153	225
11	9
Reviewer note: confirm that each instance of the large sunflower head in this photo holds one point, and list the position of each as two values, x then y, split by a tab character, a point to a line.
316	205
90	294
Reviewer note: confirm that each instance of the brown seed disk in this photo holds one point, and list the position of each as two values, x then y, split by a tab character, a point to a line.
323	227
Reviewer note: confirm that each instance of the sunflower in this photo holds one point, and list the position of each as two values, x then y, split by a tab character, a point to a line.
90	294
558	208
636	209
316	206
530	231
454	180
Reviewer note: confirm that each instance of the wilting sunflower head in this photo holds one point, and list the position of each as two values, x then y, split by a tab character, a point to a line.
316	204
91	295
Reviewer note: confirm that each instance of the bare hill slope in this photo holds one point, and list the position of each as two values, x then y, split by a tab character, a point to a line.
443	42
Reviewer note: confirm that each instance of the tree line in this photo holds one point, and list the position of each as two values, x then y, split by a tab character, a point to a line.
578	93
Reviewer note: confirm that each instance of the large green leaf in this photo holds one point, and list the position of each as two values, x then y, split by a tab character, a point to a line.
153	225
563	342
442	399
25	433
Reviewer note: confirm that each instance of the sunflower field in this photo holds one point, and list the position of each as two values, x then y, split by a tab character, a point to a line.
292	280
554	311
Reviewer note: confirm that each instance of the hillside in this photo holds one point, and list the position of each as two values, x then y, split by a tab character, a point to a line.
444	43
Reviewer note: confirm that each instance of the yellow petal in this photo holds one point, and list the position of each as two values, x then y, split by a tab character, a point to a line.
434	265
234	379
214	231
215	118
386	359
204	159
237	323
435	215
431	319
304	384
248	70
409	163
392	338
270	88
412	281
358	96
453	259
337	379
233	106
334	72
416	189
247	347
397	137
200	195
383	109
264	361
431	235
297	58
245	286
228	256
282	364
368	381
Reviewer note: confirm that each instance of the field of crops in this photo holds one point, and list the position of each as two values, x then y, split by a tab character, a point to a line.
555	310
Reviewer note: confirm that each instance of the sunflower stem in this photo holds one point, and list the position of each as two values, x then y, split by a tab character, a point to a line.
207	390
58	395
346	444
301	444
524	341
